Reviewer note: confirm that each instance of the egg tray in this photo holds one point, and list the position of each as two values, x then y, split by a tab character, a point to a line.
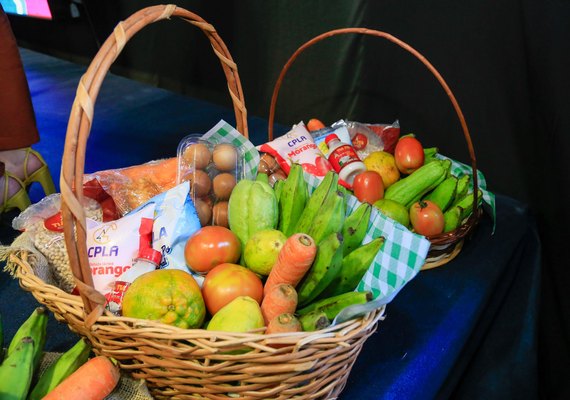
213	170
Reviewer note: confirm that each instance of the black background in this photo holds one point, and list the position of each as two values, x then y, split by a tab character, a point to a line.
506	61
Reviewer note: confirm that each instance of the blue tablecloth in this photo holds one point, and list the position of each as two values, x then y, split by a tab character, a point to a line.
464	330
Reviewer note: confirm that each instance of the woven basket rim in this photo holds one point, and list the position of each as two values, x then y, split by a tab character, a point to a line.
31	282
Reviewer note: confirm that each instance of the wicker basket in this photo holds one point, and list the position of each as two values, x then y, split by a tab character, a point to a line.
446	246
184	363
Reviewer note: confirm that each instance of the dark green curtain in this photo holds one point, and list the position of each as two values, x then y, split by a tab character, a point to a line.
507	62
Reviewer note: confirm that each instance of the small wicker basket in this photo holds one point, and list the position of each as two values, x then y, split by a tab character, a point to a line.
446	246
184	363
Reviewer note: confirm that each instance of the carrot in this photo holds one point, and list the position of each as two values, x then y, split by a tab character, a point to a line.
94	380
280	299
315	124
283	323
294	260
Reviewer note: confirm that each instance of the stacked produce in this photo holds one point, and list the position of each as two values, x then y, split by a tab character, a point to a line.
72	375
416	188
290	258
289	261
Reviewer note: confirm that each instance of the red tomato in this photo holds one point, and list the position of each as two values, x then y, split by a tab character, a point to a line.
210	246
409	154
426	218
226	282
368	187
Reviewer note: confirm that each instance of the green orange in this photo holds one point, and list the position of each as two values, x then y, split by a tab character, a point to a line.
168	296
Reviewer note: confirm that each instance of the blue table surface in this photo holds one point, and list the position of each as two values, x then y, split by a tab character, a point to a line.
464	330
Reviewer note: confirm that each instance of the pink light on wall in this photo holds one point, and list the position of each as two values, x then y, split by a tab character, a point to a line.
30	8
38	8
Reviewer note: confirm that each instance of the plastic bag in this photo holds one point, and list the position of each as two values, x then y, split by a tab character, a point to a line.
46	231
297	146
133	186
112	248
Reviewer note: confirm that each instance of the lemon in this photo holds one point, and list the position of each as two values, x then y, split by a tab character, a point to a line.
385	164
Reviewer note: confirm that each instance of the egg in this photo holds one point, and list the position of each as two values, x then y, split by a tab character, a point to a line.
223	185
220	214
268	164
197	155
204	211
200	183
225	157
279	175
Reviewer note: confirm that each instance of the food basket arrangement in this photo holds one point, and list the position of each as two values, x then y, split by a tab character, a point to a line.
350	260
180	361
444	246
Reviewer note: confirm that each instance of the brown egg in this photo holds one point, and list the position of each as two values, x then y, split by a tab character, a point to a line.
223	185
268	164
197	156
279	175
204	211
225	157
220	214
200	183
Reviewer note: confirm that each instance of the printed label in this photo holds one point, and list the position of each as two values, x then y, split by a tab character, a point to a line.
342	156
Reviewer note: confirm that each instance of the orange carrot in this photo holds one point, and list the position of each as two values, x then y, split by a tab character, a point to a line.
280	299
285	322
294	260
94	380
314	124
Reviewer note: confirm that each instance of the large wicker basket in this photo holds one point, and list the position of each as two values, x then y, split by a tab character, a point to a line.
446	246
184	363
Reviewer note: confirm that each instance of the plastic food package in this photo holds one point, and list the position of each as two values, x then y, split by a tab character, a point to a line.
133	186
338	128
212	169
269	165
112	248
297	146
367	137
175	219
42	222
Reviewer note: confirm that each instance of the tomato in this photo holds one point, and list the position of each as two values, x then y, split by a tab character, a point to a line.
426	218
227	281
368	187
210	246
409	154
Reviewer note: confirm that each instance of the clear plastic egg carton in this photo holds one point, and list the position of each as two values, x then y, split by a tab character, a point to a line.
213	169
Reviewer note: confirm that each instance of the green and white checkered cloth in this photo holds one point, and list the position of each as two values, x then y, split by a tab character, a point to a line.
403	253
223	132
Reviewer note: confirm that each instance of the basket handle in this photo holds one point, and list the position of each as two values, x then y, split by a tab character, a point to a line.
79	126
415	53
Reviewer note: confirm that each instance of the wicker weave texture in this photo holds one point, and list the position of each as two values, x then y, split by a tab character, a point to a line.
195	363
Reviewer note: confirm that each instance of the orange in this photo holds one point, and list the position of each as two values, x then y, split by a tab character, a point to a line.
169	296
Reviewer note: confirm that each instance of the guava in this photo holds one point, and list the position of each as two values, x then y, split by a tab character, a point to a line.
262	249
394	210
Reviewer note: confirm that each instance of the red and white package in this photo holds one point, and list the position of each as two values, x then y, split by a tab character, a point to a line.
113	246
367	137
297	146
